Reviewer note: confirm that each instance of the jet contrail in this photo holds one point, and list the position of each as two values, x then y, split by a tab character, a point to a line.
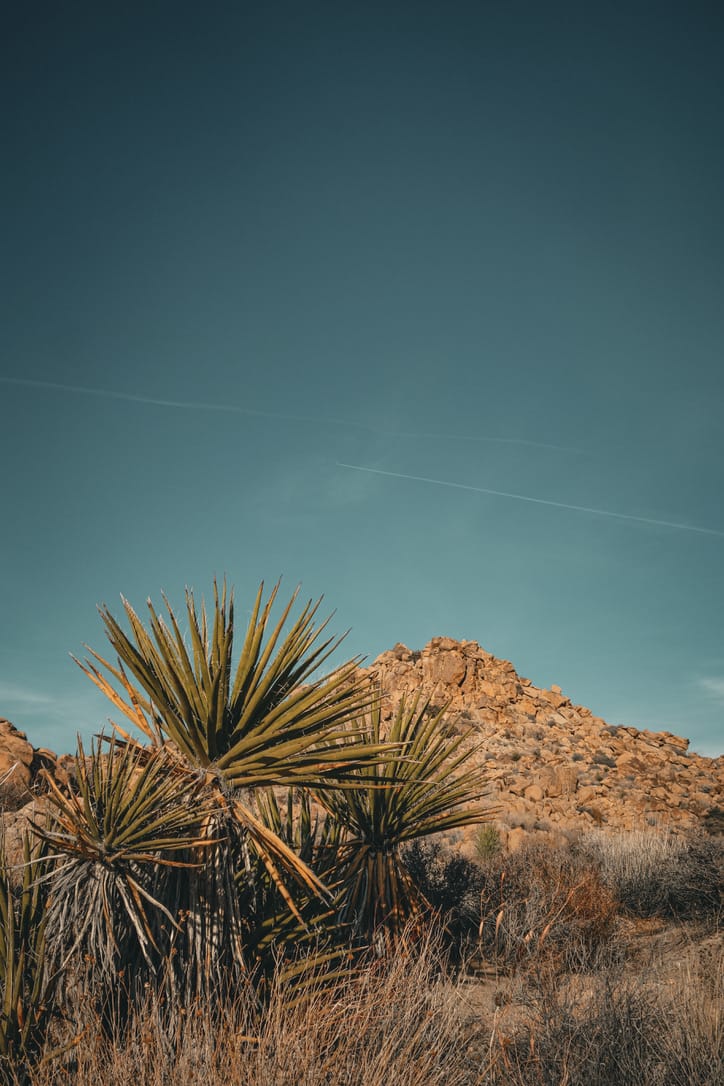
235	409
536	501
196	405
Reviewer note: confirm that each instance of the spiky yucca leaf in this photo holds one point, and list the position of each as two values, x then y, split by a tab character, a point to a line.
266	722
422	791
25	982
239	919
313	838
311	948
415	793
136	812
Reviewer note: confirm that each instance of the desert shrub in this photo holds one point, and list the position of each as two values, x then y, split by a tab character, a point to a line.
537	902
544	901
615	1030
487	842
601	758
426	791
453	885
655	873
608	1042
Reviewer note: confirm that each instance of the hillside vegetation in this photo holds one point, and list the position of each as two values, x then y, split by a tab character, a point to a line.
264	875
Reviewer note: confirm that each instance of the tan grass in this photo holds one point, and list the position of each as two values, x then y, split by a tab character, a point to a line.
656	872
579	1008
384	1024
616	1028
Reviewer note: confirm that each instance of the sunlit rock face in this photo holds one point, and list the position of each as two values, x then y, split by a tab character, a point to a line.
553	767
16	763
20	768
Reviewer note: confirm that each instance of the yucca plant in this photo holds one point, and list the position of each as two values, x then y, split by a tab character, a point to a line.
135	816
423	790
25	982
263	721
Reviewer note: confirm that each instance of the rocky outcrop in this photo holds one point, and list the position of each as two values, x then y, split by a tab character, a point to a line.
552	766
16	762
20	766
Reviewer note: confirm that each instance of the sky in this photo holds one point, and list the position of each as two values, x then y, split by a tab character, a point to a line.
420	305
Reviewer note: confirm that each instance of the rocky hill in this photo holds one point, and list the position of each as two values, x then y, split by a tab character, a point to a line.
20	765
554	767
551	767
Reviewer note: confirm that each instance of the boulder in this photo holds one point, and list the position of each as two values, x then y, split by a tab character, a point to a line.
16	764
22	768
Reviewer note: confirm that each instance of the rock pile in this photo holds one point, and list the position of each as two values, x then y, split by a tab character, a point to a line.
22	785
20	766
552	766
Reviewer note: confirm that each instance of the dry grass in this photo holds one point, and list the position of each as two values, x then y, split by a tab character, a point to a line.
577	1008
543	902
656	873
382	1025
406	1024
615	1029
518	907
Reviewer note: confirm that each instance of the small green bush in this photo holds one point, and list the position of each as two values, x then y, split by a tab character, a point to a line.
487	842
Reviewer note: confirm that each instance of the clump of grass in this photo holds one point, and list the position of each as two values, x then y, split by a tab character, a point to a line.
395	1022
539	902
656	873
543	901
618	1030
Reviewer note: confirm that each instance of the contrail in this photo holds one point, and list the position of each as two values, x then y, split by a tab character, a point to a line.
195	405
536	501
235	409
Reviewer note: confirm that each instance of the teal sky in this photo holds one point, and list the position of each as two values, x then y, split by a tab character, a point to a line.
292	289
